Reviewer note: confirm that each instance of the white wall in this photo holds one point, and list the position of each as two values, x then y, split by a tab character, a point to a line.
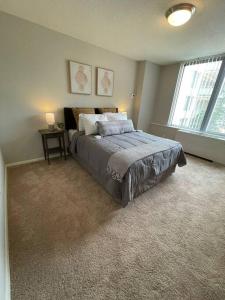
138	90
203	146
146	88
34	79
164	97
197	144
4	268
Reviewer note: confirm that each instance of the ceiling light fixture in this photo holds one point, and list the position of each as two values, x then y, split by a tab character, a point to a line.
179	14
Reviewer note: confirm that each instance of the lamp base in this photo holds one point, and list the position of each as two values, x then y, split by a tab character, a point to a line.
51	127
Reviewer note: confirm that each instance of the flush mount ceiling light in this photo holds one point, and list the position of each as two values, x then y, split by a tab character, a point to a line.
179	14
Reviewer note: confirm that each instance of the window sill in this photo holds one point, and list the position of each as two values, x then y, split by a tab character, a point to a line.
200	133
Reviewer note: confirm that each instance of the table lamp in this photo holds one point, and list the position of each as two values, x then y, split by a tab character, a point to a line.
50	119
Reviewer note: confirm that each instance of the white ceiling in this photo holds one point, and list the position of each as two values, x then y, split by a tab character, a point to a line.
134	28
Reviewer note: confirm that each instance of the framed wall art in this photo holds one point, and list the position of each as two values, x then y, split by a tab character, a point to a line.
80	78
105	81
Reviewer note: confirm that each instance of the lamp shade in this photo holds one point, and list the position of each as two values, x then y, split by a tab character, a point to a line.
50	118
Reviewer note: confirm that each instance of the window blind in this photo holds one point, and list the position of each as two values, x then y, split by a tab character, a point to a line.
200	97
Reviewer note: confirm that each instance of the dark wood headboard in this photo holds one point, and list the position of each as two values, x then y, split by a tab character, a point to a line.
69	119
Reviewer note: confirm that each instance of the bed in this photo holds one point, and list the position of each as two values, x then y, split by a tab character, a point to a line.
125	164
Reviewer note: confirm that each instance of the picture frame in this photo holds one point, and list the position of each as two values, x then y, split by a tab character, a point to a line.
80	78
104	82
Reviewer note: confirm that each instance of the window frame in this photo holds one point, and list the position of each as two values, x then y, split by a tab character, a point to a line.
212	102
176	92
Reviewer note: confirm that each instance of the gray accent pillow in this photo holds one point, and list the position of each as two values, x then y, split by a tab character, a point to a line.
114	127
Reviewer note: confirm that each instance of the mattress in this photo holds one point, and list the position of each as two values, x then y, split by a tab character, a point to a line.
95	154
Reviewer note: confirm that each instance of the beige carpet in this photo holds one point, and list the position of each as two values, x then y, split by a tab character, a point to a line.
69	240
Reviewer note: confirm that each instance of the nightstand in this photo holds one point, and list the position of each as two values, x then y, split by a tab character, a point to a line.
53	134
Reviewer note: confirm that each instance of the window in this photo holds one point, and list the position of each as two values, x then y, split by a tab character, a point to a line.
217	120
199	102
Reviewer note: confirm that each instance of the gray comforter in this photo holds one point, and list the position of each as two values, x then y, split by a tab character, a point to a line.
149	159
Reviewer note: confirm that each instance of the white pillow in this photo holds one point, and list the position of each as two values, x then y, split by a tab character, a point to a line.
80	122
89	122
116	116
97	117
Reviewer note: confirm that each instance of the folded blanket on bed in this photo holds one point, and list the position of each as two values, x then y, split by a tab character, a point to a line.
119	162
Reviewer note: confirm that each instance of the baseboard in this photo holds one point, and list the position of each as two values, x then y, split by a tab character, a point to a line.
28	161
7	266
209	160
23	162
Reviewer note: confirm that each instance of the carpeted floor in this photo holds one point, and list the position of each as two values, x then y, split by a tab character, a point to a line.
69	240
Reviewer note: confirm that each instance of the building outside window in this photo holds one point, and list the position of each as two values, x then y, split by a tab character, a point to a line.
199	103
